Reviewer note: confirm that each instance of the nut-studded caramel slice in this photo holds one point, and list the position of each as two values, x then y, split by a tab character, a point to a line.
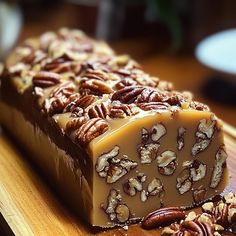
148	145
117	142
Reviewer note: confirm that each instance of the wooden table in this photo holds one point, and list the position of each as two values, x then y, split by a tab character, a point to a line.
28	206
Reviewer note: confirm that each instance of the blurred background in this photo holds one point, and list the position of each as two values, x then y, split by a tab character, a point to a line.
165	36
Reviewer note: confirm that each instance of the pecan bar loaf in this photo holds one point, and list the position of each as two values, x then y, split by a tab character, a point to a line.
117	142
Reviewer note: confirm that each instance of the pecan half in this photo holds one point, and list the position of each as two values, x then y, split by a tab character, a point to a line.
163	217
75	123
45	79
99	63
146	95
198	228
118	61
127	94
90	130
119	110
59	97
96	87
58	65
154	106
85	101
102	110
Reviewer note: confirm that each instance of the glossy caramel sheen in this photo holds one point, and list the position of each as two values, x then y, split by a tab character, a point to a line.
42	91
127	135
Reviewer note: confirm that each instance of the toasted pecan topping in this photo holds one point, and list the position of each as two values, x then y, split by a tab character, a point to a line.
154	106
59	65
95	86
101	111
46	79
76	123
85	101
71	73
128	94
90	130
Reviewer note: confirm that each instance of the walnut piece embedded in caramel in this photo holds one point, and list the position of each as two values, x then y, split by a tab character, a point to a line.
148	152
204	135
112	167
220	160
166	162
115	209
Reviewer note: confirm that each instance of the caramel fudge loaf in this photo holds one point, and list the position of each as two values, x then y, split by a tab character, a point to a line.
117	142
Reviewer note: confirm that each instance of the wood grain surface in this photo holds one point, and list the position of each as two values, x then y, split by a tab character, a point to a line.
29	207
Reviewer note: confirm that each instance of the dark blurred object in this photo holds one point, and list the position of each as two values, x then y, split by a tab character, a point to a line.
189	22
111	15
208	17
220	89
169	12
182	23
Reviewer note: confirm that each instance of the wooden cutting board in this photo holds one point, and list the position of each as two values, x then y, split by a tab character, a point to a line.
29	207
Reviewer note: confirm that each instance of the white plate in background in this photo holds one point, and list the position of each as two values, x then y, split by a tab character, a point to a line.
219	51
10	26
